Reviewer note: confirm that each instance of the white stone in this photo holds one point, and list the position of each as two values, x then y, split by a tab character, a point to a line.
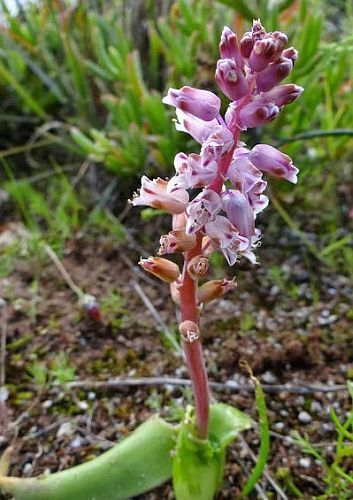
304	417
305	462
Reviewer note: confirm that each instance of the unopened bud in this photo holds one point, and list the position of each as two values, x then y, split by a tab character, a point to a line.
164	269
273	74
214	289
91	307
189	331
176	241
198	267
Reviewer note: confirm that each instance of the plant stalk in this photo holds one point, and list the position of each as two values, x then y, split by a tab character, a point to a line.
193	350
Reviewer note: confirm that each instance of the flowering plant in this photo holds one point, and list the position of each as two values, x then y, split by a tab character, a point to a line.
220	217
228	176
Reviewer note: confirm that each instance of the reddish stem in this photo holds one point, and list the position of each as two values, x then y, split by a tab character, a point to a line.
224	163
193	350
189	311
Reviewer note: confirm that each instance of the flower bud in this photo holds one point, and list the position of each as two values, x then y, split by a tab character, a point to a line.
189	331
246	45
231	80
198	267
261	54
239	212
267	50
283	94
273	74
257	112
291	54
200	103
229	48
214	290
269	159
164	269
176	241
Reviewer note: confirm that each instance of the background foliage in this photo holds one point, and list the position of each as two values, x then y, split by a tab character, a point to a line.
82	118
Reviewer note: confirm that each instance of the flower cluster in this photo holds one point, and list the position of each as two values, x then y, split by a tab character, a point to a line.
229	176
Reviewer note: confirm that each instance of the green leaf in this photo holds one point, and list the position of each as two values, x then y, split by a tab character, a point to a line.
137	464
240	7
198	465
225	424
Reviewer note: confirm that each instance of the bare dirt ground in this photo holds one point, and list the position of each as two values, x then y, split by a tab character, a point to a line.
292	321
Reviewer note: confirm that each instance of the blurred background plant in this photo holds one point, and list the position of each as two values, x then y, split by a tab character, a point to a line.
82	118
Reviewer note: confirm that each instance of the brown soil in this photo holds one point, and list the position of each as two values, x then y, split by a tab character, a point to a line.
294	328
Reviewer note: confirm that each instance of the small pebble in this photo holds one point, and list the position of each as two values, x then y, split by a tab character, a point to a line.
304	417
278	426
3	441
269	378
82	405
76	443
47	404
316	407
27	468
305	462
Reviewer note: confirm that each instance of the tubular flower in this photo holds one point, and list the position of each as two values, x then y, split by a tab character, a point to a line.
154	194
214	289
176	241
200	103
164	269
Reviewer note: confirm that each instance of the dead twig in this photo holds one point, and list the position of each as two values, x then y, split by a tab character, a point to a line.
3	325
159	320
231	385
65	275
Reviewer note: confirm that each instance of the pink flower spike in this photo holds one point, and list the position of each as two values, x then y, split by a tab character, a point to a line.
200	103
283	94
202	209
269	159
273	74
154	194
231	80
239	212
229	48
198	129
